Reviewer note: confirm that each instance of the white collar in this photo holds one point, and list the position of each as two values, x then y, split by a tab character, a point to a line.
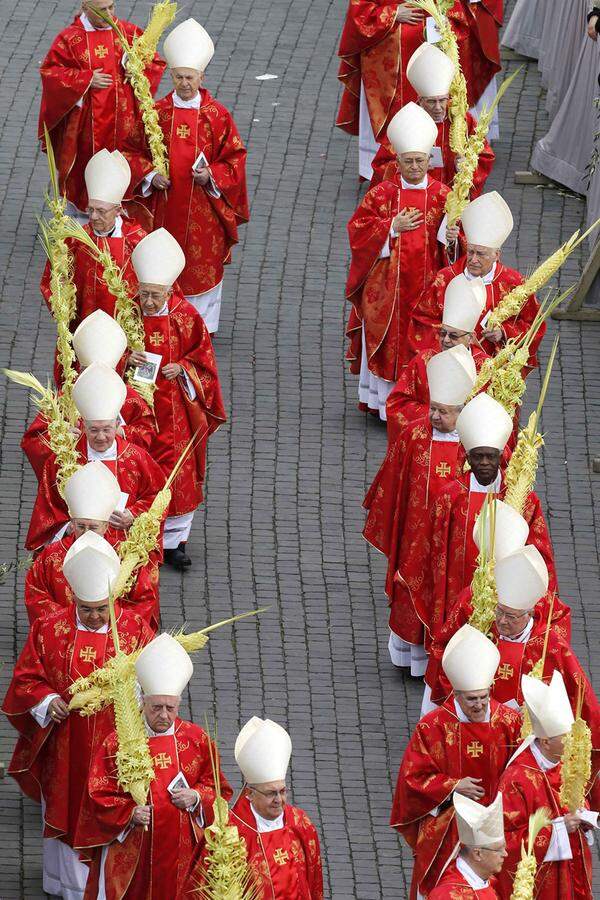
463	718
194	103
81	627
414	187
151	733
263	824
520	638
88	25
543	762
473	879
493	488
93	455
449	437
117	231
487	279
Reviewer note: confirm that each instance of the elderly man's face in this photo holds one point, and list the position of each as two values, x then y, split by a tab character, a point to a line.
102	215
511	622
480	259
552	748
187	82
93	615
485	462
487	862
450	337
153	297
435	106
413	166
443	417
105	6
161	711
474	704
268	799
80	526
101	433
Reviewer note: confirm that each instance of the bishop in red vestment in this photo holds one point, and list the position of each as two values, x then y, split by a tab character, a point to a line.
87	103
145	851
461	747
187	399
52	756
394	238
205	198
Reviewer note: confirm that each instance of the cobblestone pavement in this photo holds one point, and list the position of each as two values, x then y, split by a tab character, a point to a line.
282	519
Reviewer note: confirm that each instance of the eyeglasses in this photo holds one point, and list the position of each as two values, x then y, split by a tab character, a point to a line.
500	614
270	795
152	295
453	335
96	211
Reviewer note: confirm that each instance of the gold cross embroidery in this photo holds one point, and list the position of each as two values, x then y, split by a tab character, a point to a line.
156	338
162	760
101	51
281	856
87	654
475	749
505	672
443	470
183	131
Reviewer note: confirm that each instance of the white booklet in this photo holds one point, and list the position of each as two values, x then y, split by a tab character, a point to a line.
435	159
179	783
201	162
147	373
432	32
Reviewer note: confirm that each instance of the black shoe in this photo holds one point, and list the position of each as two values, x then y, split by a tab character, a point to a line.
177	559
186	561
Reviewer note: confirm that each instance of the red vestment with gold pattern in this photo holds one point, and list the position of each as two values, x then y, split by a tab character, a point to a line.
181	337
415	469
135	469
138	425
107	118
148	864
53	762
427	313
47	590
525	789
385	164
442	750
204	225
383	291
454	886
476	26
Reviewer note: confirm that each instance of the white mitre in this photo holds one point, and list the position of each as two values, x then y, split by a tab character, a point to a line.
163	667
262	751
478	825
91	567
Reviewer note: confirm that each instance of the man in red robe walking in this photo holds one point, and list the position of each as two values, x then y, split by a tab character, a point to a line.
397	248
52	756
414	471
481	855
486	223
532	781
463	747
430	72
87	102
145	851
205	197
99	395
187	399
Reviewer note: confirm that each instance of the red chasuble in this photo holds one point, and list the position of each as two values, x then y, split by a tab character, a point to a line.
53	762
206	227
525	789
476	26
181	337
427	314
384	164
152	864
383	291
454	886
441	751
47	590
450	555
135	469
138	427
107	118
415	469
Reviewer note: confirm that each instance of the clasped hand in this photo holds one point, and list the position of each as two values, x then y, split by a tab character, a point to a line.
407	220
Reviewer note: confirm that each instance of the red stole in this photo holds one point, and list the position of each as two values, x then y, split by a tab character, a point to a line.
454	886
158	340
103	55
475	759
442	467
507	685
475	503
174	215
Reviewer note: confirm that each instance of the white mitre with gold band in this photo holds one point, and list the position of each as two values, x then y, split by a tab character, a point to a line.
484	423
487	221
158	259
188	46
99	338
470	660
451	375
262	751
91	567
510	529
521	578
92	492
464	302
107	176
99	393
412	130
163	667
478	825
548	705
430	71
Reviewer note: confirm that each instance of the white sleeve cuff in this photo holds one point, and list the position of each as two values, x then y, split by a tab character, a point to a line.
559	848
40	711
147	183
385	250
190	389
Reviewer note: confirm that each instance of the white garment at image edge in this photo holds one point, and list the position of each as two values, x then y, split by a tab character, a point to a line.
63	875
177	530
208	305
372	390
367	145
